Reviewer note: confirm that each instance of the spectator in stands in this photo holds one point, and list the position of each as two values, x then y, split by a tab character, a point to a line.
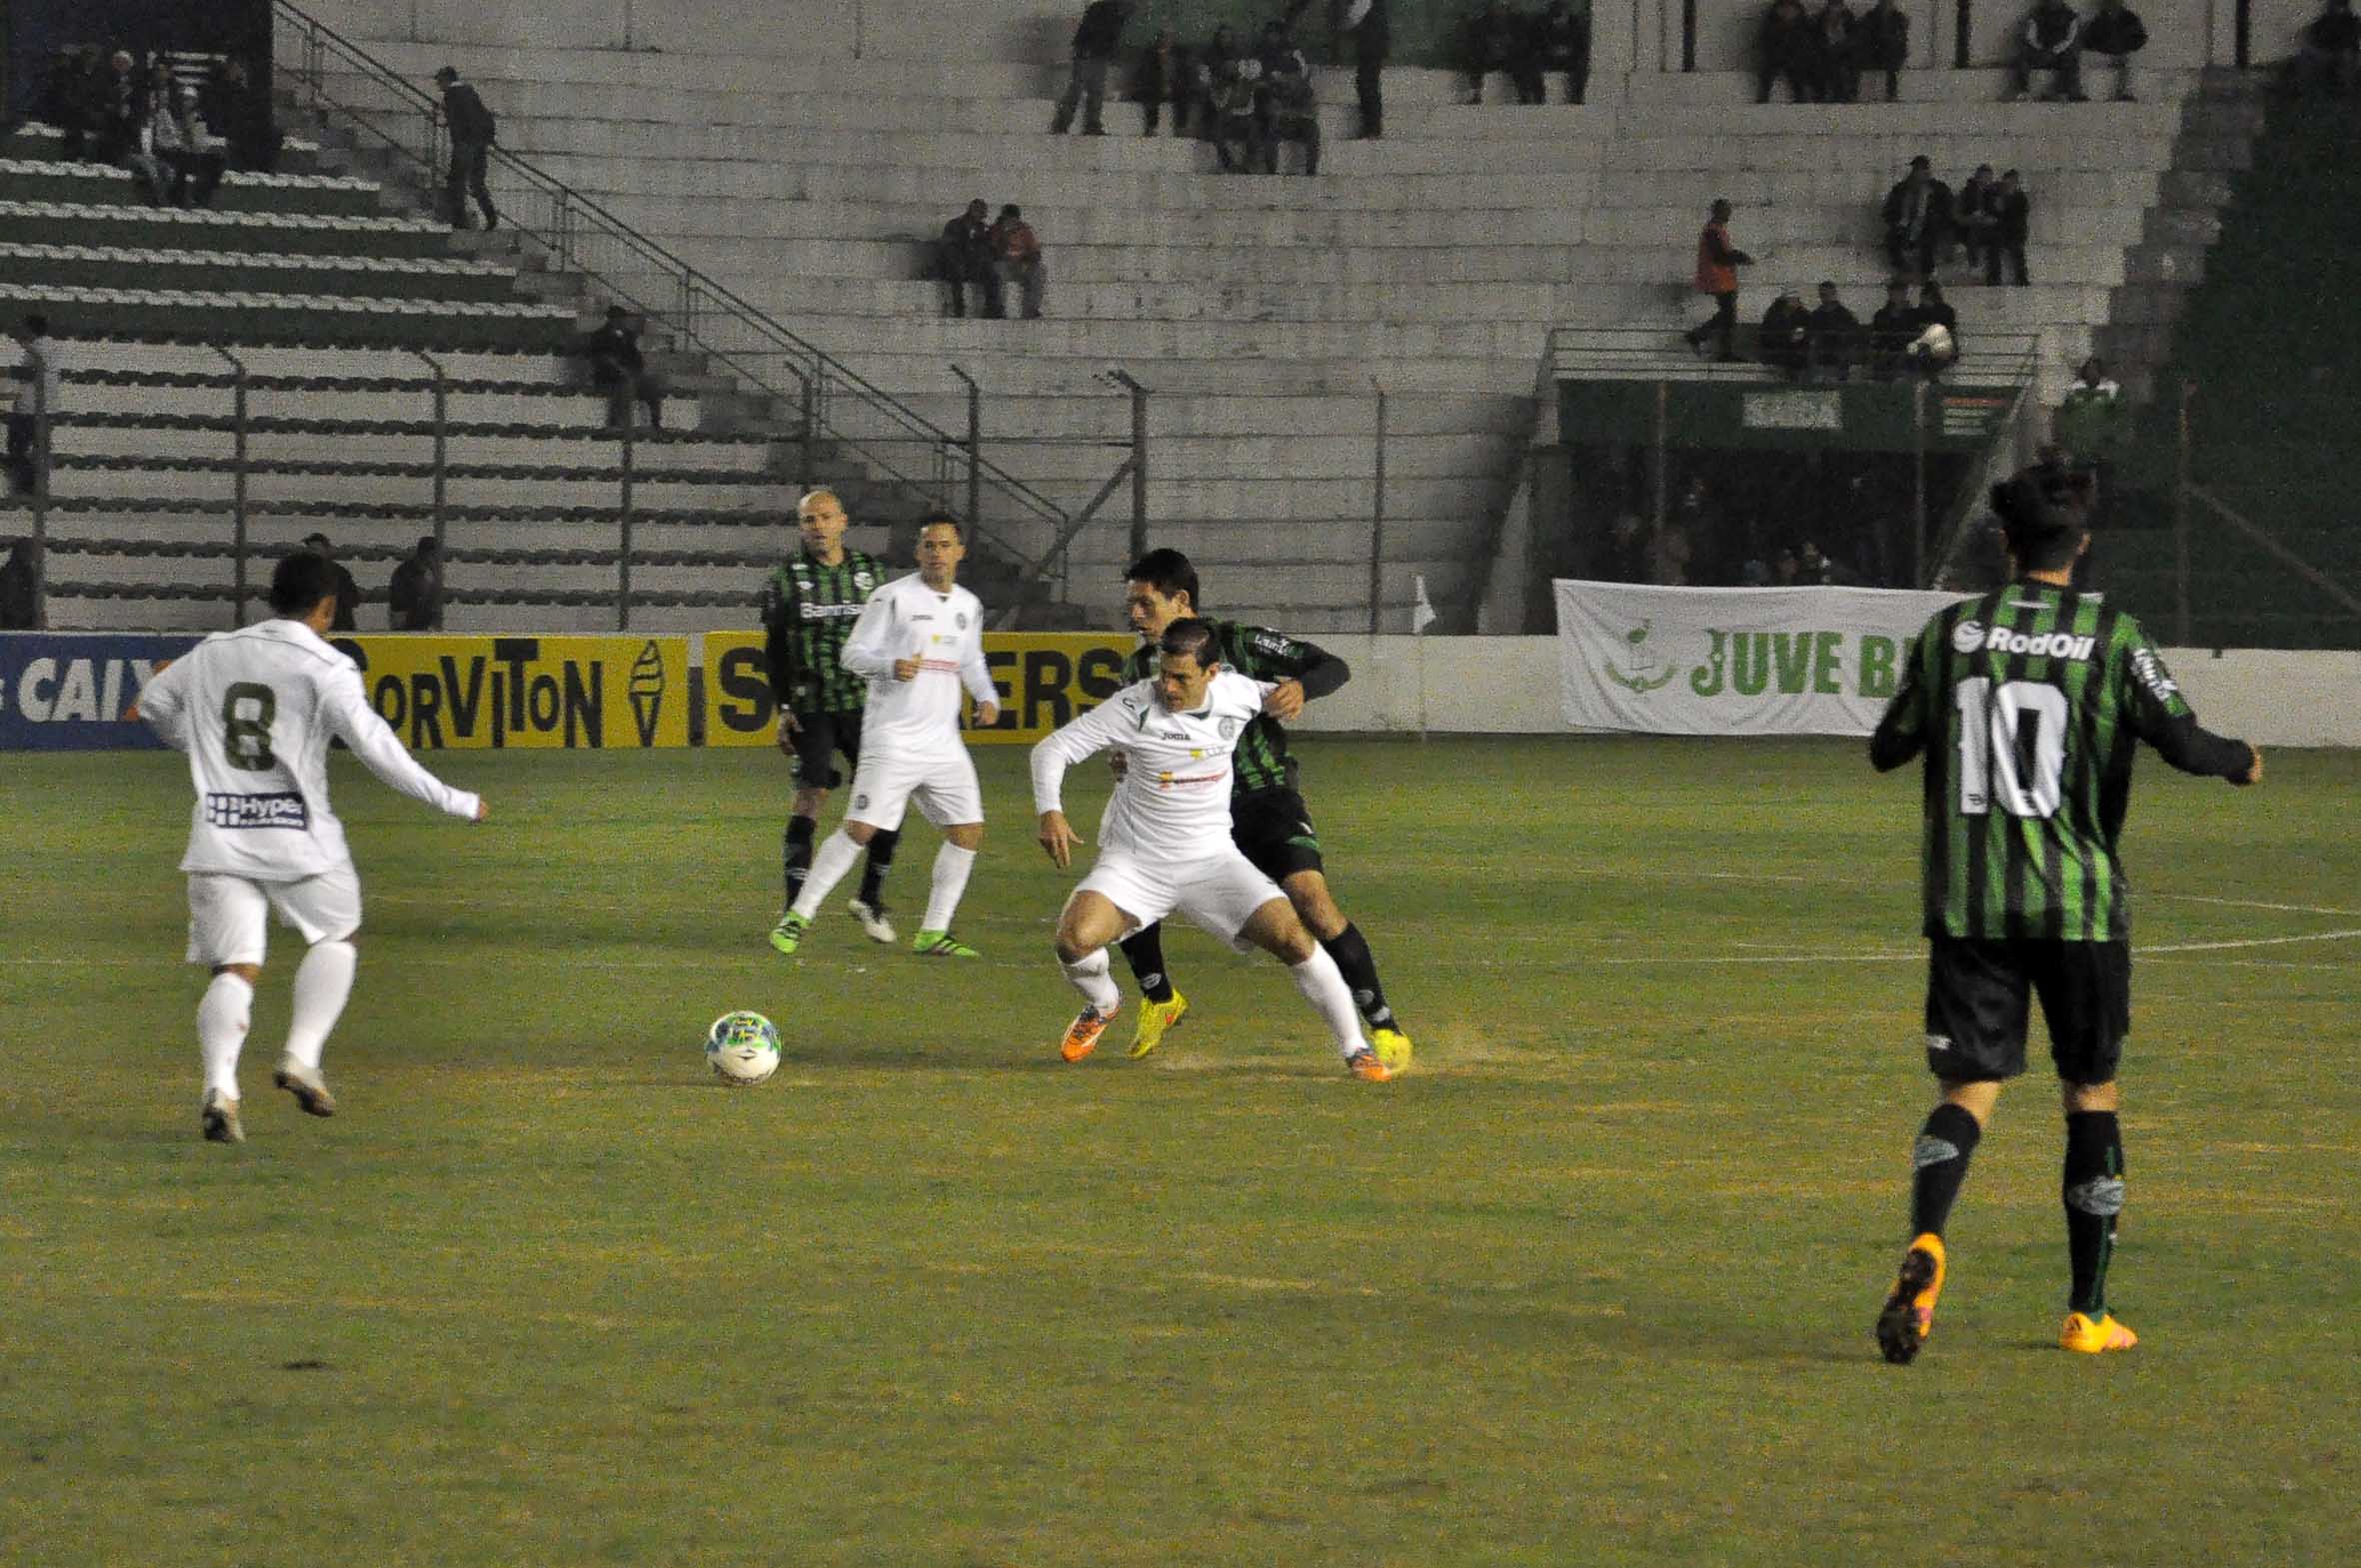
473	131
1785	339
1884	36
1719	262
1562	42
2093	421
414	601
1918	214
964	256
1812	565
2328	60
1162	75
2115	31
1233	120
1693	529
1788	46
2012	219
2046	42
1890	331
1288	109
1373	39
620	370
240	114
1018	251
1215	64
1097	39
1495	40
1975	214
123	126
177	139
348	591
37	387
1934	337
20	605
1835	336
1840	52
74	99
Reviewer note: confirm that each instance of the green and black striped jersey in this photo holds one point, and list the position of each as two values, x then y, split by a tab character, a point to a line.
807	611
2029	703
1262	760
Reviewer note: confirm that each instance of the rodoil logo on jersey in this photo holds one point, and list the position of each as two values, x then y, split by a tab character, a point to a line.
1971	637
283	809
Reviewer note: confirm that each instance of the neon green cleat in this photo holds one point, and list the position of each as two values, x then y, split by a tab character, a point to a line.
1392	1047
1156	1019
942	945
788	935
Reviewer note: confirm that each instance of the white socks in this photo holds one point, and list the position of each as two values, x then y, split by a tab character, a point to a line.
951	866
1322	986
221	1029
1088	976
830	863
323	982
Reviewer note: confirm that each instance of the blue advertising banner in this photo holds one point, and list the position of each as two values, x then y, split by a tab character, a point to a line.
73	690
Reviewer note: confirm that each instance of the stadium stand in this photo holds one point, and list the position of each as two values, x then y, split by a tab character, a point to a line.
1263	313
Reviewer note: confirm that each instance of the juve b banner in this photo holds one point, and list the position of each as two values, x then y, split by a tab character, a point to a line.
1734	660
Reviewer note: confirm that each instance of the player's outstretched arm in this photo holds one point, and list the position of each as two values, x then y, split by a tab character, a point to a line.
353	721
2160	715
1304	672
1901	734
1071	743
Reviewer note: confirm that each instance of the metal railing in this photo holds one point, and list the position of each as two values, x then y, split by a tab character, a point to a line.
1652	353
832	402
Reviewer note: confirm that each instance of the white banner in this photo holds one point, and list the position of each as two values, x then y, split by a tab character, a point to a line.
1734	660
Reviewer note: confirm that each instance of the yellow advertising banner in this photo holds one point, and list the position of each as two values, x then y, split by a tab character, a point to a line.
1045	678
623	692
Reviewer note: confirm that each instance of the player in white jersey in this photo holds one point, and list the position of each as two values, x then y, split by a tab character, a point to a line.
1165	841
919	643
255	709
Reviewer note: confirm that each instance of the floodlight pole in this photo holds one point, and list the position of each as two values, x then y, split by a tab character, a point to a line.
2180	521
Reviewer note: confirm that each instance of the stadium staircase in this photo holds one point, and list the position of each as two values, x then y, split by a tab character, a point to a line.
1264	312
2270	344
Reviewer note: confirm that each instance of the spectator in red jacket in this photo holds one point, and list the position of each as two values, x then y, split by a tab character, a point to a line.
1719	262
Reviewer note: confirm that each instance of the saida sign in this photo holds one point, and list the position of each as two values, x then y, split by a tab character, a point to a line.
1749	661
443	692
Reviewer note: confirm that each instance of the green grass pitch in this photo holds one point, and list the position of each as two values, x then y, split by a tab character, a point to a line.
1592	1285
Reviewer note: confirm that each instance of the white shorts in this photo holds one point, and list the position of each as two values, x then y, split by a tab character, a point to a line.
1220	892
942	785
227	914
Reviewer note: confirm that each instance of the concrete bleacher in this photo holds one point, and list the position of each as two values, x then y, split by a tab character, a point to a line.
340	308
1266	312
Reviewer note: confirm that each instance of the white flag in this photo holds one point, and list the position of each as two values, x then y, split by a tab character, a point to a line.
1421	608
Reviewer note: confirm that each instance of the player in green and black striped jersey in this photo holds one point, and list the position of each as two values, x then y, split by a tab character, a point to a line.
2028	704
809	606
1269	818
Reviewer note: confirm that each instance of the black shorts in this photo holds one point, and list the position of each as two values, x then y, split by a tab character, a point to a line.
1977	1006
817	736
1273	830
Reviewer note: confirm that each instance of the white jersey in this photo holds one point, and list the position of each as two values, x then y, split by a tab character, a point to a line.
905	618
255	709
1174	801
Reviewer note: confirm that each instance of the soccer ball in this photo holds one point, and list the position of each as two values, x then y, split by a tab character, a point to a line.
742	1047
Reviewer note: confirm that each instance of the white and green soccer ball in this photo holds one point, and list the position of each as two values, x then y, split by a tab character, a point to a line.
742	1047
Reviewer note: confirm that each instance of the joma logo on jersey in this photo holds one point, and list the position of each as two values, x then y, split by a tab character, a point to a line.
1971	637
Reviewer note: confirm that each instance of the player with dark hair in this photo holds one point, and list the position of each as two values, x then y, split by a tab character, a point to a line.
255	709
1268	817
2029	703
809	607
1166	843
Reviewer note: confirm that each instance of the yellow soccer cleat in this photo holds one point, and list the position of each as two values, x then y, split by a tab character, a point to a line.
1157	1019
1910	1314
2094	1336
1081	1035
1393	1048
